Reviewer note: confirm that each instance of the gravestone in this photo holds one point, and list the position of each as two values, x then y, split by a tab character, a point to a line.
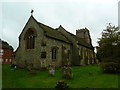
67	72
64	71
51	70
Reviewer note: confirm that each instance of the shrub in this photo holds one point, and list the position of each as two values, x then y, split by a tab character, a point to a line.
61	85
110	67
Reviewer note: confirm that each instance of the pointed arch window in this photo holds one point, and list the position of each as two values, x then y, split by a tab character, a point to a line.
30	39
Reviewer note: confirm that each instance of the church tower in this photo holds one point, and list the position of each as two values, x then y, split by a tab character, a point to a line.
84	34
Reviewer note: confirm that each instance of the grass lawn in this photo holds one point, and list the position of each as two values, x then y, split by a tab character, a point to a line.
81	79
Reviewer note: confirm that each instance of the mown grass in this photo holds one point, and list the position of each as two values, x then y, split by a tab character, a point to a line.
81	78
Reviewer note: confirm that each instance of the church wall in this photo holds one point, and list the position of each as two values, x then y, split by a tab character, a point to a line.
48	48
26	56
34	55
74	54
86	55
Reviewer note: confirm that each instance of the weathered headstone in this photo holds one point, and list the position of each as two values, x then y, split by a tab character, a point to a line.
64	71
51	70
67	72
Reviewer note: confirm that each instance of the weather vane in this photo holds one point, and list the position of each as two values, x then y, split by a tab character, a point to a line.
32	12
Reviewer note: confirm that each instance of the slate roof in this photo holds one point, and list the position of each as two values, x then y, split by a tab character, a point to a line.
81	41
53	33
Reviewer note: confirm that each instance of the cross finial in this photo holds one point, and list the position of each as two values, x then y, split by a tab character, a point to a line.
32	12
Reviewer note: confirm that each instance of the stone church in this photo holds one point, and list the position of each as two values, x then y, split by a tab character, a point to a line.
41	45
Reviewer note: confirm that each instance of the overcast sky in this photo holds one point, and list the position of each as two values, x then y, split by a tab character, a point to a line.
72	15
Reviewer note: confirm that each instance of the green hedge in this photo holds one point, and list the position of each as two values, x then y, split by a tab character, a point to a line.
110	67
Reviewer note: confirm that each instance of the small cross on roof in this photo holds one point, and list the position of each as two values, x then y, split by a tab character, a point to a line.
32	12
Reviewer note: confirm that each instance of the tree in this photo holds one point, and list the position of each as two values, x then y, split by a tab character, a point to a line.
109	44
108	51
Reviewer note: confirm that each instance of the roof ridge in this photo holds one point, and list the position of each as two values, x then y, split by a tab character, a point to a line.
46	25
53	33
